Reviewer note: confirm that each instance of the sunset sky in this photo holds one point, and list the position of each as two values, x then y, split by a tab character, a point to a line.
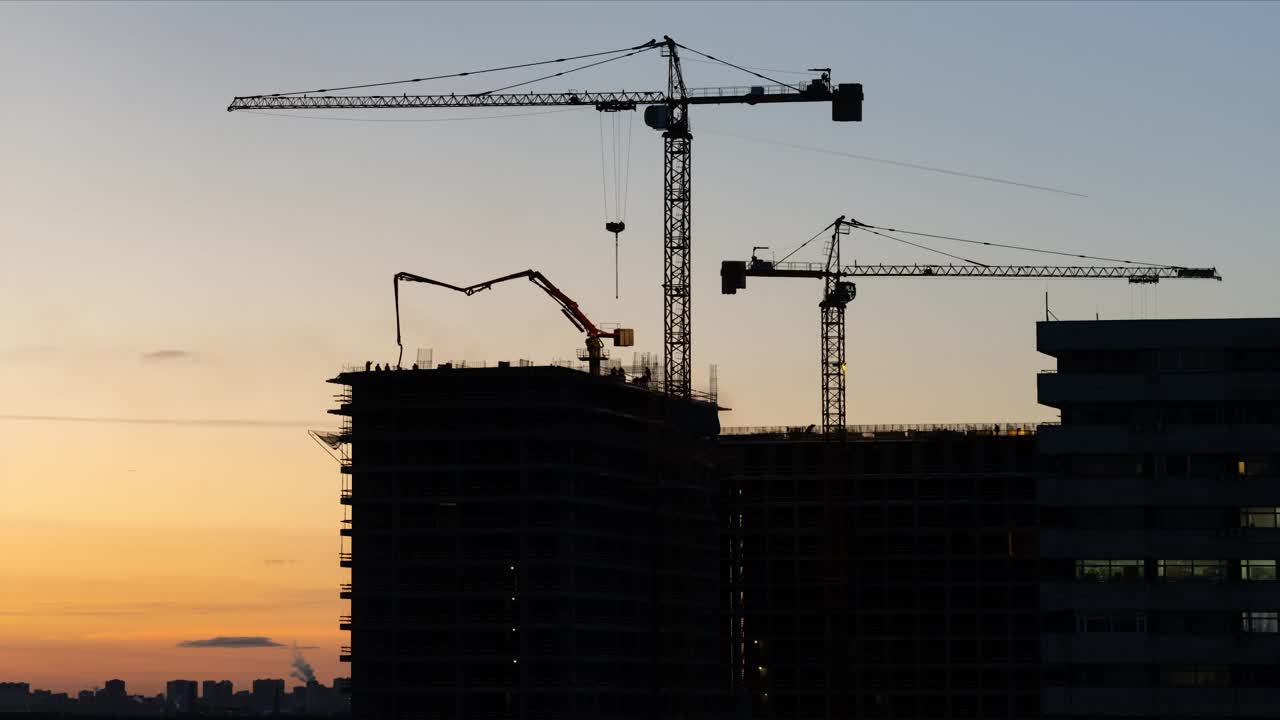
162	258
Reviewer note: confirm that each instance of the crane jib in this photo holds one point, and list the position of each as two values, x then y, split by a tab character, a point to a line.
604	101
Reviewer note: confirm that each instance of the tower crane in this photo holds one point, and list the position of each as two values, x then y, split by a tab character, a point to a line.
622	337
666	111
839	292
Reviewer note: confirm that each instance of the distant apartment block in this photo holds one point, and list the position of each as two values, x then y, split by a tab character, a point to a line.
1161	519
180	696
268	695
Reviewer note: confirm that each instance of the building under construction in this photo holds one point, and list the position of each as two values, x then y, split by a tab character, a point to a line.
889	575
530	542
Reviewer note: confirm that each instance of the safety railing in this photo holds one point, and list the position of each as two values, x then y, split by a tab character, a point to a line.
1021	428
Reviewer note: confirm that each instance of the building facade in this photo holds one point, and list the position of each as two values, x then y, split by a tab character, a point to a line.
1160	518
529	542
180	696
890	575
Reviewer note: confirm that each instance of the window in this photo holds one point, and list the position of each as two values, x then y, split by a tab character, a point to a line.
1108	570
1253	621
1195	676
1259	517
1116	622
1254	466
1193	569
1257	569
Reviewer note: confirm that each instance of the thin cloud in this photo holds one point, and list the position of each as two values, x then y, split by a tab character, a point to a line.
254	641
167	355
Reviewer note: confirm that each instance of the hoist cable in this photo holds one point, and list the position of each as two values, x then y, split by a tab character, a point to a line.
604	183
626	191
1019	247
459	74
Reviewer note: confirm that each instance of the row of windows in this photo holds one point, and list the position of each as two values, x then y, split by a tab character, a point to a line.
1194	466
1172	570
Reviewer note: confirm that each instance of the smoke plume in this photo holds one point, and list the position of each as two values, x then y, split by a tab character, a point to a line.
302	669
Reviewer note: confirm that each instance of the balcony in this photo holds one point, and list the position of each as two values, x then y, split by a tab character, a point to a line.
1160	702
344	622
1233	596
344	654
1059	491
1240	543
344	559
344	591
1176	439
1105	647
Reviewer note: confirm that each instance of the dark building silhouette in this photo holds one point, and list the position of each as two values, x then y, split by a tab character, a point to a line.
180	696
14	696
217	695
891	574
1161	519
530	542
268	695
114	689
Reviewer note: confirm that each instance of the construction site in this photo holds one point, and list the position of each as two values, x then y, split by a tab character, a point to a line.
584	539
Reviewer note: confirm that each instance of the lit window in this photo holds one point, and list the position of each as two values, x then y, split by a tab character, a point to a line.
1252	621
1195	676
1257	569
1192	569
1108	570
1259	517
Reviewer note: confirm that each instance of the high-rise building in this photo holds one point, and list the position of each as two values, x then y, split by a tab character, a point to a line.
14	696
114	689
180	696
217	695
1161	518
268	696
530	542
888	574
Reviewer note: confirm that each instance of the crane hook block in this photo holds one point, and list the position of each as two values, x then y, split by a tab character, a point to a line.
846	106
615	227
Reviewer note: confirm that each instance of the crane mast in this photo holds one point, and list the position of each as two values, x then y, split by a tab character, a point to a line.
838	293
667	112
677	226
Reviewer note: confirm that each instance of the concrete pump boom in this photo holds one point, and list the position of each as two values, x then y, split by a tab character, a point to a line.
622	337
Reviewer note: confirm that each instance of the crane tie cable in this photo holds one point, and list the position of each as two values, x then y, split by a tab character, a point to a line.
649	44
634	51
806	242
1016	247
865	228
739	67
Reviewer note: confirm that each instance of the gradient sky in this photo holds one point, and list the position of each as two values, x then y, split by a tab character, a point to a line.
163	258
